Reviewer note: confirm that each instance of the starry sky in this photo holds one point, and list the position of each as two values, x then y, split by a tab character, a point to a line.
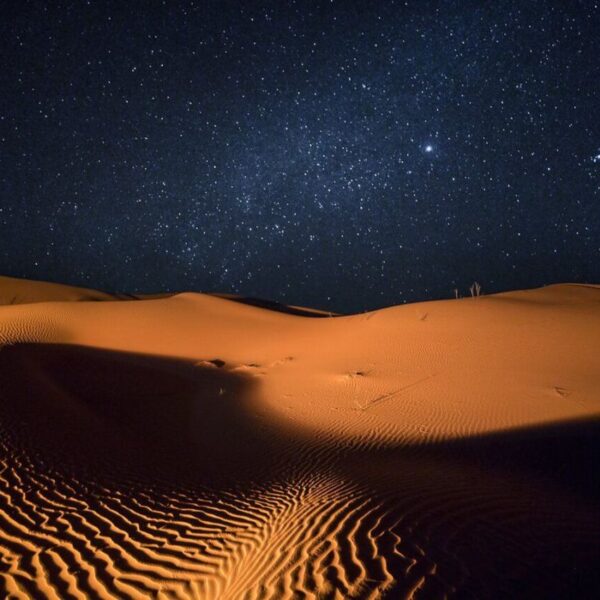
344	155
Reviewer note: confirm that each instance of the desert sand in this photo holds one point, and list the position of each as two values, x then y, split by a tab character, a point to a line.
193	446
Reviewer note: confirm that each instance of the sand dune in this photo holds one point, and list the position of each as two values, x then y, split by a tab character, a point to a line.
191	446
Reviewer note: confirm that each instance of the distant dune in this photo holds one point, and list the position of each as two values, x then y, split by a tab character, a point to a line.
191	446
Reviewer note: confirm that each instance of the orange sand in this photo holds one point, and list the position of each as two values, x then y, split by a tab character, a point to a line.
193	446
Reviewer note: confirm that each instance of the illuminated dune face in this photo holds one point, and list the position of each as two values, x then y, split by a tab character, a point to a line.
195	447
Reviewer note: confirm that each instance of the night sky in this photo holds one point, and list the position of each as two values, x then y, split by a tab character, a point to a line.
344	155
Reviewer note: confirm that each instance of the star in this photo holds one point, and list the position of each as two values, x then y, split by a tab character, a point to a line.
429	148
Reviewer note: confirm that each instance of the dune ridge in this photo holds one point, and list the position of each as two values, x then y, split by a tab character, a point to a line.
189	446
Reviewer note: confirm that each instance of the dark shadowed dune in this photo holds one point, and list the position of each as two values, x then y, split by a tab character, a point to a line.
299	311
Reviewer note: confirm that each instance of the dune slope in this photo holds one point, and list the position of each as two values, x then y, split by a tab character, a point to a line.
195	447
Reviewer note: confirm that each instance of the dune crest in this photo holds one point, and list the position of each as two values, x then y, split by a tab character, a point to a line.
188	446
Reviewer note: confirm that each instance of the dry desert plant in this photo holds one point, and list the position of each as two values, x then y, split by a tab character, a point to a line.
475	290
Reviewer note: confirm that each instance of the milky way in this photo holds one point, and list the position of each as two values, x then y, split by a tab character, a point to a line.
345	155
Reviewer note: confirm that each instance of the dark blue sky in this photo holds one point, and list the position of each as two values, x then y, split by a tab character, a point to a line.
346	155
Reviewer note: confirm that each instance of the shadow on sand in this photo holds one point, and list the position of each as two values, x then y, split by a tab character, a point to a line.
86	407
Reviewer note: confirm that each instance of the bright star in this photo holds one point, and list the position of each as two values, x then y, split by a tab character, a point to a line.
428	148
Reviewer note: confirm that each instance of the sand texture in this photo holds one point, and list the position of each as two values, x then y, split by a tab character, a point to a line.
193	446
